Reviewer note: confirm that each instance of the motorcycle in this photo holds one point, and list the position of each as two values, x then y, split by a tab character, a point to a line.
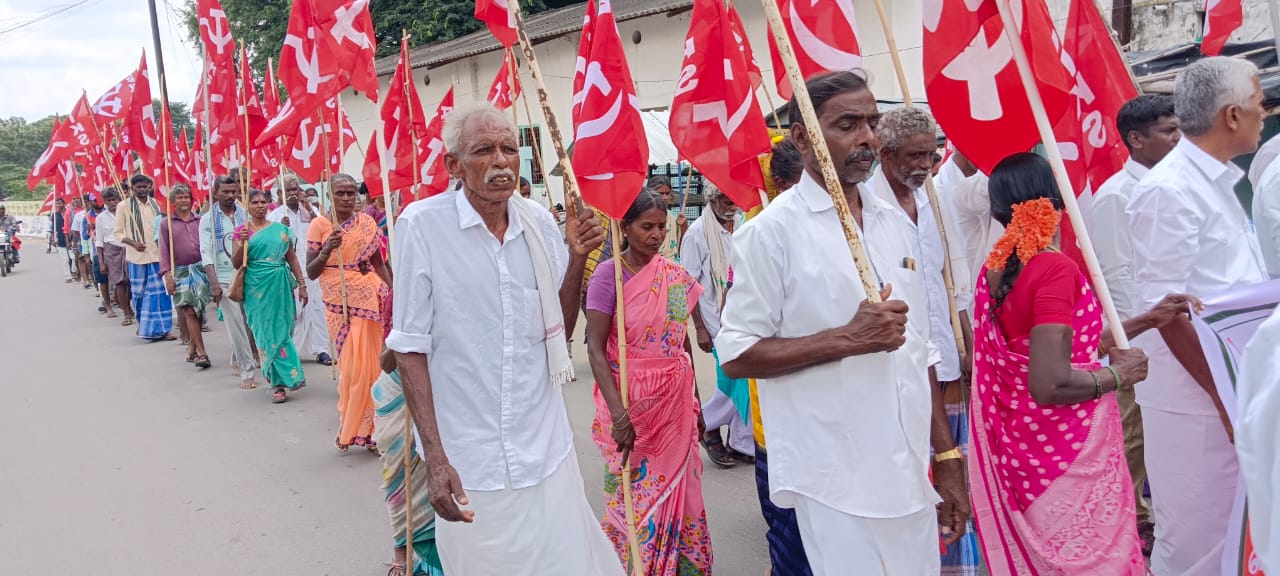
8	252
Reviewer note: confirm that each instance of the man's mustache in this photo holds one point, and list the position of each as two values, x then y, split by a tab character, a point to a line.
860	156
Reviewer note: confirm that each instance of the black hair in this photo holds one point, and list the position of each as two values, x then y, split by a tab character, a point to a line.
139	179
646	201
524	182
110	193
1141	113
1019	178
223	181
656	182
256	192
180	189
824	87
786	163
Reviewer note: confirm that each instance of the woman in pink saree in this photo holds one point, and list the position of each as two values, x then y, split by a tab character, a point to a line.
1051	489
659	432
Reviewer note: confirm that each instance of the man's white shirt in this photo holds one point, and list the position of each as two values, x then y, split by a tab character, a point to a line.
853	434
471	305
1109	230
695	256
1266	216
1190	235
299	222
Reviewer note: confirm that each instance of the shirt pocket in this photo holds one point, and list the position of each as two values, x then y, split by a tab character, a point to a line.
531	327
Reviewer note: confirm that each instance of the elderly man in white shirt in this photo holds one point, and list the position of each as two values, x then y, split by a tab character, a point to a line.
705	251
1190	235
1150	131
486	294
843	383
310	329
1266	216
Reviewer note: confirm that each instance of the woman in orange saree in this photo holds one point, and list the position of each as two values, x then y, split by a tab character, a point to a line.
351	256
659	432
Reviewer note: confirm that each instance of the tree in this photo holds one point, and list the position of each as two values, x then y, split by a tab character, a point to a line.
180	113
21	144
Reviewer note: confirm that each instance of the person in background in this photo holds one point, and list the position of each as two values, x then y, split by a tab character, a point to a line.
1266	214
134	218
677	222
184	277
11	225
310	332
1150	131
908	142
1258	439
216	230
1190	235
978	231
706	252
526	189
59	222
79	249
112	257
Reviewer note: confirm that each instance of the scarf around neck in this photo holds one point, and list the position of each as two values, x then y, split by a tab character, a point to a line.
559	365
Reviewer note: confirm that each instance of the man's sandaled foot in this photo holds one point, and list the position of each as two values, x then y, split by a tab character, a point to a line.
279	396
342	448
397	569
324	359
248	385
127	322
202	361
740	457
716	452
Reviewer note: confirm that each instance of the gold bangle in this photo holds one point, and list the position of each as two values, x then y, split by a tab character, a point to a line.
952	454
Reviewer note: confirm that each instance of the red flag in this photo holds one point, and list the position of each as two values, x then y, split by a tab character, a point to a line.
432	174
247	105
496	15
500	92
115	103
141	122
611	151
349	27
715	122
824	37
309	67
372	169
972	82
1221	18
341	135
59	150
48	204
306	156
744	47
83	133
404	124
1091	144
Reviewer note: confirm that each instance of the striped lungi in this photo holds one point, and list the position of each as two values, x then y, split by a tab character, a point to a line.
151	303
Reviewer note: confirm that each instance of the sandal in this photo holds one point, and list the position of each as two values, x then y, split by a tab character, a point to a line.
248	385
112	314
191	358
397	569
342	448
714	445
127	322
373	448
202	361
206	329
743	458
324	359
279	396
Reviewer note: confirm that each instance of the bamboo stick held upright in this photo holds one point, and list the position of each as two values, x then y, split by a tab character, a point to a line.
553	127
819	144
333	213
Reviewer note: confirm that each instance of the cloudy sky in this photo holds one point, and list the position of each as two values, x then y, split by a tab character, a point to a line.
90	46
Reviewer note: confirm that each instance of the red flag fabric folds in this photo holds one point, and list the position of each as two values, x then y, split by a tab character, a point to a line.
59	150
611	151
507	79
824	37
432	174
715	122
372	169
496	15
972	83
1221	18
348	26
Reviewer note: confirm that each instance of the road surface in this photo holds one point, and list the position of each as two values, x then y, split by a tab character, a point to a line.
123	460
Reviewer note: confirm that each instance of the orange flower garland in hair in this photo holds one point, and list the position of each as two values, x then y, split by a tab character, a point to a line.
1031	230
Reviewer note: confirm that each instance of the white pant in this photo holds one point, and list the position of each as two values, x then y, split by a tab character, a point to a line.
543	530
310	328
840	544
718	412
1193	472
69	264
238	332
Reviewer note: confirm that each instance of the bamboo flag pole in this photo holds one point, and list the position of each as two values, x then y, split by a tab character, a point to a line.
413	135
947	275
819	144
333	212
628	499
1060	173
165	138
510	58
244	168
408	490
570	179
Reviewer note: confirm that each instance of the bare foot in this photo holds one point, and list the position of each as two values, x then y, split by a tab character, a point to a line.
248	384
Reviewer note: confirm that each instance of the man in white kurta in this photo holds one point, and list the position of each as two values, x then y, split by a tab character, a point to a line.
1258	438
846	404
1266	216
705	252
310	329
1191	236
483	358
1149	128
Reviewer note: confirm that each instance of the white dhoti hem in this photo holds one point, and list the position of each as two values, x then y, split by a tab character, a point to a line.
537	531
720	411
1193	472
839	544
311	328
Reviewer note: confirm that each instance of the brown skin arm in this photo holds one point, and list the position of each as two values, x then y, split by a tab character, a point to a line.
380	267
700	331
292	258
214	288
443	483
948	476
571	293
1180	335
966	326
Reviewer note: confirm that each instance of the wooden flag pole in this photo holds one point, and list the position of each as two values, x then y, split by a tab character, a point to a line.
570	179
819	144
947	274
413	136
408	488
628	499
333	213
510	57
247	170
1060	173
165	138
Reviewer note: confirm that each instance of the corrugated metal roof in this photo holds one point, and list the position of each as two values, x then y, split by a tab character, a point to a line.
540	27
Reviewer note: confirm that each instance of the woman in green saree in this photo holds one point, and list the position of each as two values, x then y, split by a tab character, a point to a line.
270	277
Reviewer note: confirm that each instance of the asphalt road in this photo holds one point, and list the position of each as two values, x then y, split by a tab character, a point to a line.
123	460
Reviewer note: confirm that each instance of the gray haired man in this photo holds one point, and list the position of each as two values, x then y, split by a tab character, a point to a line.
1191	236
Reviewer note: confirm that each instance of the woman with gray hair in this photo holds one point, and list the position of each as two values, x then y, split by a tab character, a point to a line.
1190	235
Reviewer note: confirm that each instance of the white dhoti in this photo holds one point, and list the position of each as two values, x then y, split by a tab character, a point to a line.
840	544
547	529
718	412
1193	472
310	328
238	333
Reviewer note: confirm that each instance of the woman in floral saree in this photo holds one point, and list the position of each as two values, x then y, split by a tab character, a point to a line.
270	278
659	432
1051	489
349	261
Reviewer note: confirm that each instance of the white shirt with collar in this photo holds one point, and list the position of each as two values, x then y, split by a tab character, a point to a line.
978	229
929	246
854	434
299	222
470	303
695	256
1109	229
1266	216
1190	235
1263	159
